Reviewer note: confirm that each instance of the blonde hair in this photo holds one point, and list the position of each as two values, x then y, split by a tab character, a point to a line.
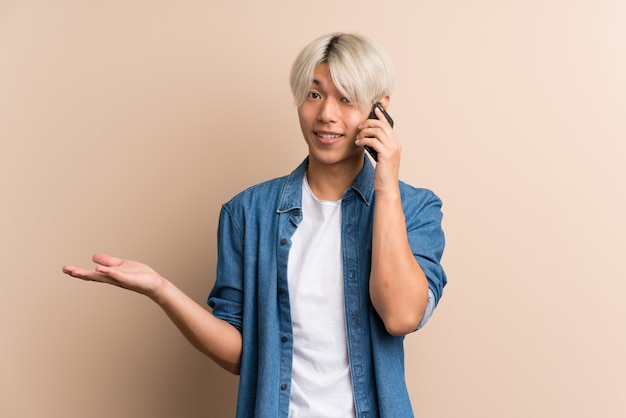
359	68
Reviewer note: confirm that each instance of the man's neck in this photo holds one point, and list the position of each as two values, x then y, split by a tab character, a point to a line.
329	182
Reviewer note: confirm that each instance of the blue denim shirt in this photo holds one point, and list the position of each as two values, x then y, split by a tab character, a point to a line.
251	291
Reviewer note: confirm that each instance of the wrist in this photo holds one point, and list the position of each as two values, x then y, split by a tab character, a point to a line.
159	289
389	194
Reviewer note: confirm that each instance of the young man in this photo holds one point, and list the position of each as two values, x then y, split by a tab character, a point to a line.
322	272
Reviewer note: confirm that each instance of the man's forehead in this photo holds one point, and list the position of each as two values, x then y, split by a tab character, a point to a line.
322	77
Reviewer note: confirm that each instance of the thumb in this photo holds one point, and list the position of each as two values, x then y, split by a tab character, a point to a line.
106	260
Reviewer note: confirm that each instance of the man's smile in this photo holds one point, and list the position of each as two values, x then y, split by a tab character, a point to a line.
328	137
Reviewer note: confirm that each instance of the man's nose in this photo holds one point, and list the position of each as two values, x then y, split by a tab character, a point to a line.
328	112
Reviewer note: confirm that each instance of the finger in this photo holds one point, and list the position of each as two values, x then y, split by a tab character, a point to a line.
75	271
69	269
111	272
370	124
380	115
81	273
378	131
369	142
106	260
383	122
370	133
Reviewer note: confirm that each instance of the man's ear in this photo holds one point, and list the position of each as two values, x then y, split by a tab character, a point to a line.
384	101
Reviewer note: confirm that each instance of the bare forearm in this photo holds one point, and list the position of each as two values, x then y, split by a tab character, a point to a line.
398	286
212	336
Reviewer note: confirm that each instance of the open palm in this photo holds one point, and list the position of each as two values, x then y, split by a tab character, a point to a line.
128	274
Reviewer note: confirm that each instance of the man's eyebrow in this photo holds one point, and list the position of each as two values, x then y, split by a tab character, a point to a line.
316	82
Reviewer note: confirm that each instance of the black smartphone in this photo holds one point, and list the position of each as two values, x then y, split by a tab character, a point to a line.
372	115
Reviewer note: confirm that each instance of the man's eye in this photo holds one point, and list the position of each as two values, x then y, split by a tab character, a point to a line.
346	100
313	95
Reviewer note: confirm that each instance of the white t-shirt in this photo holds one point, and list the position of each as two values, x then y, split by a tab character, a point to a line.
321	381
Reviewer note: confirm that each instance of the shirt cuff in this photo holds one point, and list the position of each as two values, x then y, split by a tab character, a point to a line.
428	312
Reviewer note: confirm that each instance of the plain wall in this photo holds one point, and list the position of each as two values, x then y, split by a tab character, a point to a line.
125	125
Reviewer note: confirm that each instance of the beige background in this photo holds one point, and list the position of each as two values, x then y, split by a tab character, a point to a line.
125	125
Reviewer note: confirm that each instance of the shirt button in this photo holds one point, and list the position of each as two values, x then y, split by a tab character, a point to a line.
283	386
284	339
358	370
283	241
281	290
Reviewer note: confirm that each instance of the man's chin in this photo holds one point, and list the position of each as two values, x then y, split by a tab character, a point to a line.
332	157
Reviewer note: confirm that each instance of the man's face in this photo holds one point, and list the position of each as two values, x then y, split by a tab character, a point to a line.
329	121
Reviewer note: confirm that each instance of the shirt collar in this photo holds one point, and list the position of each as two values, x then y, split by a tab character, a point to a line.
364	182
291	195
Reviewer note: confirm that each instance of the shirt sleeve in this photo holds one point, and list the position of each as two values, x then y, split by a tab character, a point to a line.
226	297
427	242
428	312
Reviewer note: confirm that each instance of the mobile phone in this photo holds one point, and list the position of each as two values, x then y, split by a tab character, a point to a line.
372	115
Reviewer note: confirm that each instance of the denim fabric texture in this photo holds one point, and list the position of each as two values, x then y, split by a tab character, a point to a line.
251	291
